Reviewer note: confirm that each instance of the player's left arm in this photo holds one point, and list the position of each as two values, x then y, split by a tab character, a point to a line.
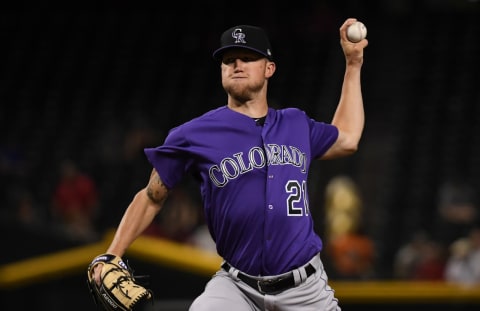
143	208
349	116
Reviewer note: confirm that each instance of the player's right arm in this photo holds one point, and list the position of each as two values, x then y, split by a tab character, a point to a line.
349	117
146	204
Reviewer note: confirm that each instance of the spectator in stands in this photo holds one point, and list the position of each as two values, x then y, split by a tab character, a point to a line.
408	256
178	220
421	258
352	256
431	264
75	203
463	265
27	211
181	221
457	211
349	250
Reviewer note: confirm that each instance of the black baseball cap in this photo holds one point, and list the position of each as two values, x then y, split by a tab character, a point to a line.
244	36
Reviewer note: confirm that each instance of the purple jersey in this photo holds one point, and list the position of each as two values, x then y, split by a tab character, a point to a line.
253	182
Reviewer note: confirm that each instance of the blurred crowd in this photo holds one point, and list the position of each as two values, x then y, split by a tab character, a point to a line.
447	251
83	200
450	250
77	209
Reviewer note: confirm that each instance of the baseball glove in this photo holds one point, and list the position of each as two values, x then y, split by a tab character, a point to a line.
118	289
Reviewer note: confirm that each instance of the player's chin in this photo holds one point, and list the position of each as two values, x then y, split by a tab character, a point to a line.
235	87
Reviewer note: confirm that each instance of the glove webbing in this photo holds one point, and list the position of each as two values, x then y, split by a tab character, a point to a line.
112	301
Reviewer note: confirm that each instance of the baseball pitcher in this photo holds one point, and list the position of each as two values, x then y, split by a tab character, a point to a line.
252	163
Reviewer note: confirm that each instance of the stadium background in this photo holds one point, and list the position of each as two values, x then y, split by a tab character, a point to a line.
67	76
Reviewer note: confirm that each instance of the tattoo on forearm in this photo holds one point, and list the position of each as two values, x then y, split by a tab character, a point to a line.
156	190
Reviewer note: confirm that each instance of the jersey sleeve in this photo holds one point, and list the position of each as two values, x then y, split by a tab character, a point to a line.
170	159
322	137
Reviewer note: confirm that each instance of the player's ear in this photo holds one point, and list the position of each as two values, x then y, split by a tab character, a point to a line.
270	69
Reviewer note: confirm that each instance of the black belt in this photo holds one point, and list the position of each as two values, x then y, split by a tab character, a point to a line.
273	285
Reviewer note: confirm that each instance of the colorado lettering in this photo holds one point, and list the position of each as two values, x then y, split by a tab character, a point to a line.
231	167
281	155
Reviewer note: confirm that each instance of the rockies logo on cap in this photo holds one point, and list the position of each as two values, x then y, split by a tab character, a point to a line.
244	36
238	35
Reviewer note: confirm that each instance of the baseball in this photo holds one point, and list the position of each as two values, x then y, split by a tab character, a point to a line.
356	32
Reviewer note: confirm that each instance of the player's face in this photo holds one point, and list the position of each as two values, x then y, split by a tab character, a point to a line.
244	73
